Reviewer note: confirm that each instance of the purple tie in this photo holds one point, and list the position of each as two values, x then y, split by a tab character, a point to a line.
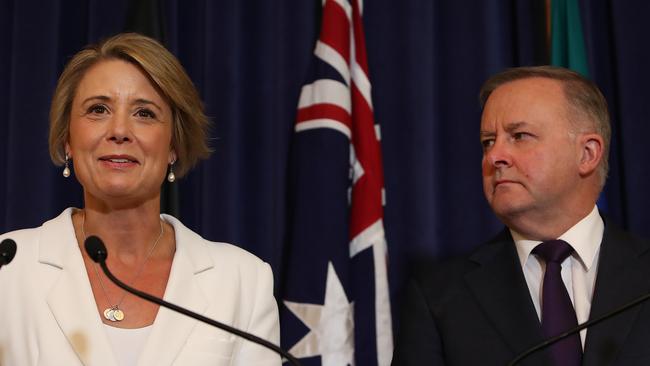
558	314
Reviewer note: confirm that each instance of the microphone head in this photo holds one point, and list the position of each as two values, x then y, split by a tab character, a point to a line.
96	249
7	251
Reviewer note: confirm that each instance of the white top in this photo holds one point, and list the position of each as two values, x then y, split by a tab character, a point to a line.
127	344
49	317
578	270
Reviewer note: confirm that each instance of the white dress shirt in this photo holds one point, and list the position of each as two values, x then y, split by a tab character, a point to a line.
578	270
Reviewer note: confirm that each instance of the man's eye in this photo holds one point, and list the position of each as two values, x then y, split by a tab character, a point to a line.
145	113
487	143
520	135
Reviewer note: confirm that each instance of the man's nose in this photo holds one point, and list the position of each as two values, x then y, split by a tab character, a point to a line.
499	154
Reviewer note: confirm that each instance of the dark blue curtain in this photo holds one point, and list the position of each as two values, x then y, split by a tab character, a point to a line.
249	59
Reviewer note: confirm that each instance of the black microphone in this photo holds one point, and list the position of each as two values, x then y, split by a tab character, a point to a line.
7	251
97	252
580	327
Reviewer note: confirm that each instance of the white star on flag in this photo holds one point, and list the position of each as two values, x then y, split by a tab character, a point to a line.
331	325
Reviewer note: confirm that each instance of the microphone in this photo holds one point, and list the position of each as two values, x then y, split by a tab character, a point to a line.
97	252
7	251
580	327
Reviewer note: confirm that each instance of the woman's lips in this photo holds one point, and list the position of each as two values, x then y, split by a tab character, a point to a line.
119	161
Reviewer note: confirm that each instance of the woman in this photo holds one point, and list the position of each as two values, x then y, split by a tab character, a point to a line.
126	113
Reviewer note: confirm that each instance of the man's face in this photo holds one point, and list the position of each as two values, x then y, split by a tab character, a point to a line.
530	155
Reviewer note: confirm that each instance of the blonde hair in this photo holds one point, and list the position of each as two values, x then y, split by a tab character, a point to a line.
189	123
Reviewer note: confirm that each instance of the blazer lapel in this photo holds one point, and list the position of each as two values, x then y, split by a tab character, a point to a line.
71	299
501	290
623	273
170	329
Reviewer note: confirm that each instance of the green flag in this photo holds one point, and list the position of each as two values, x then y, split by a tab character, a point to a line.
567	40
568	46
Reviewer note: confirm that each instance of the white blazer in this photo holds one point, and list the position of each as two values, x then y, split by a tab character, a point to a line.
48	314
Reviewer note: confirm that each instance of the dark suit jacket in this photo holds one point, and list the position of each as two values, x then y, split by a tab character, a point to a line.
478	310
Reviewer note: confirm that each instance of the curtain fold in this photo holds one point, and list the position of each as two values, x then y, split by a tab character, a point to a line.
249	60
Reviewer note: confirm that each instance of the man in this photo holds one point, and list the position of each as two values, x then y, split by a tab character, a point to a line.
545	134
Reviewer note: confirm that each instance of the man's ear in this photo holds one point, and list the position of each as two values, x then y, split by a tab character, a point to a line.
592	148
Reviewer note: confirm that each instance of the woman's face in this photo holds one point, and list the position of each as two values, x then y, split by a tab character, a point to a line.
120	134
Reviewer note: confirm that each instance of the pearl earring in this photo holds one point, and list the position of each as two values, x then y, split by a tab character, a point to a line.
171	177
66	169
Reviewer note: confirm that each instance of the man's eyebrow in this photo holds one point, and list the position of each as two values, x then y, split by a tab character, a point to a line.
509	127
512	126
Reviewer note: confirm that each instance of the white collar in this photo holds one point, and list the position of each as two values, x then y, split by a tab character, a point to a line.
55	252
585	238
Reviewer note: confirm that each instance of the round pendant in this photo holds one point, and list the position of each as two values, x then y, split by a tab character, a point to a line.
109	314
118	315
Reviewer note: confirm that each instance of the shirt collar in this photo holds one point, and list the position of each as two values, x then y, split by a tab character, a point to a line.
585	238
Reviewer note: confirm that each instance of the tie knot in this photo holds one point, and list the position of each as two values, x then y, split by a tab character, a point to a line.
553	251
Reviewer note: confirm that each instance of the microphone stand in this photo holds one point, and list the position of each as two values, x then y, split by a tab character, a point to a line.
191	314
580	327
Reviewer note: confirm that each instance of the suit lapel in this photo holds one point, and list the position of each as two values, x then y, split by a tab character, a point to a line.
623	274
71	299
500	288
170	329
72	303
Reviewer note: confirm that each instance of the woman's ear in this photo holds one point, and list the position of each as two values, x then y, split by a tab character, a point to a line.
66	150
172	156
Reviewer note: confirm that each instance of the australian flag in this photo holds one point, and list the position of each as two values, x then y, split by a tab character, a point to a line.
335	291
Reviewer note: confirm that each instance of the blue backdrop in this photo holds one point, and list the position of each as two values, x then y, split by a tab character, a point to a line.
427	60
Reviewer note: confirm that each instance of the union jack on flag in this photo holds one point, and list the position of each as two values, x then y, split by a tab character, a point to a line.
335	288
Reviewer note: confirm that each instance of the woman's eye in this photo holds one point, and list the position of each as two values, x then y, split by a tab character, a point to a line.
97	109
145	113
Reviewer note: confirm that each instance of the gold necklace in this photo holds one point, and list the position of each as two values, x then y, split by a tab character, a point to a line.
114	313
